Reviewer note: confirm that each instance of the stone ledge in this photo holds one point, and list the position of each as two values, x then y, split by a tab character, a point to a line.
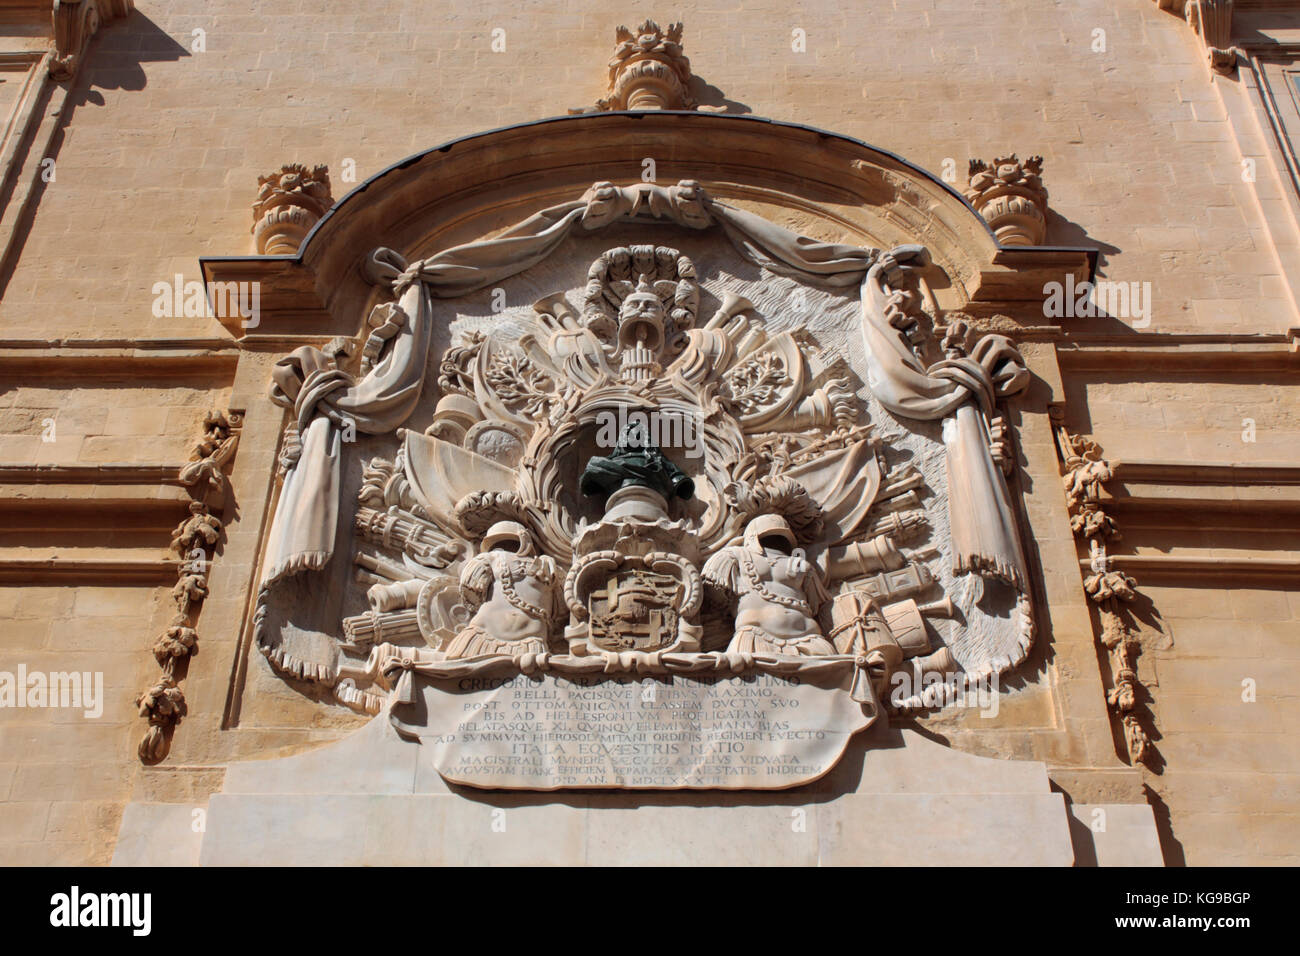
1204	487
1204	568
88	571
118	474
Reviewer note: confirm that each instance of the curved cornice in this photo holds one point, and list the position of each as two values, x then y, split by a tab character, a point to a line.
476	185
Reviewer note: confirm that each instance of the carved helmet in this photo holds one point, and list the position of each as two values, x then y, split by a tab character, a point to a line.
508	531
765	526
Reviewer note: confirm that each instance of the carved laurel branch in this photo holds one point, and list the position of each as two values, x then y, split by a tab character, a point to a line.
522	387
1084	472
163	704
756	382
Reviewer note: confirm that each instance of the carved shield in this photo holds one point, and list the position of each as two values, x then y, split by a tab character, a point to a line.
635	610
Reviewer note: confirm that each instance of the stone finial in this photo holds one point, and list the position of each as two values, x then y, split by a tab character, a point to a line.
289	202
648	71
1011	196
75	22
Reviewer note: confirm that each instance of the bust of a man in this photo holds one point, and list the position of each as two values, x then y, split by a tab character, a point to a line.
635	461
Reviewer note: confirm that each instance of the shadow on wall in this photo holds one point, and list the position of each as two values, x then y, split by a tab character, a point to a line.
713	100
1112	308
1067	232
112	61
1170	846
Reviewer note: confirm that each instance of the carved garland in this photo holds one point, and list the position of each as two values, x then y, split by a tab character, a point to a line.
1085	471
163	704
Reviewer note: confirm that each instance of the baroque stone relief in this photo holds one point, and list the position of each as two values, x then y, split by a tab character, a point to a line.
710	448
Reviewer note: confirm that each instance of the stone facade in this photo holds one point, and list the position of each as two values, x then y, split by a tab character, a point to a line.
1149	456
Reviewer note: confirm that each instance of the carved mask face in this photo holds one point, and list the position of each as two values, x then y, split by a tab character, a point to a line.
642	306
641	319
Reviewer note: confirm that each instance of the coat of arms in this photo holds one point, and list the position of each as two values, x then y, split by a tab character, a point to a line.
634	484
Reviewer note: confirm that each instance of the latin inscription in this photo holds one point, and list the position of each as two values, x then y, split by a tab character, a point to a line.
760	731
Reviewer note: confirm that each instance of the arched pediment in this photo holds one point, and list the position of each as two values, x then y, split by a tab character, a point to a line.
820	184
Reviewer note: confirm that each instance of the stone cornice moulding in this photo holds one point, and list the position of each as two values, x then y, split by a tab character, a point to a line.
75	23
1148	352
1197	571
148	367
153	494
106	474
465	189
194	347
1162	492
63	572
1208	472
